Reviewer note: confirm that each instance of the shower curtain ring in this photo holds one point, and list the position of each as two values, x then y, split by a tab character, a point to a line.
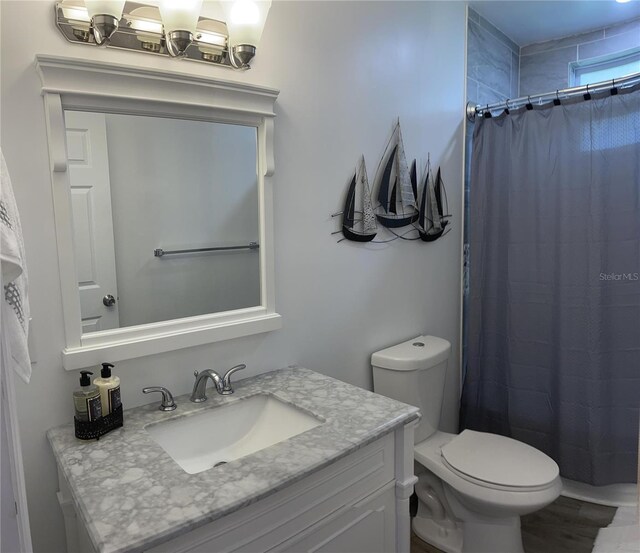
487	113
506	103
614	89
587	95
529	106
557	102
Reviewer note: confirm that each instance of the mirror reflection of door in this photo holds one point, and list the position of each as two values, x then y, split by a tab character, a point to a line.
88	158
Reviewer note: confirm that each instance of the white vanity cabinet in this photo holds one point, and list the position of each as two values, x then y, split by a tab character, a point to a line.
342	486
356	504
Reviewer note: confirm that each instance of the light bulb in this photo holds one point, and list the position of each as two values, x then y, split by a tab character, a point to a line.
245	20
75	13
105	7
145	20
180	15
244	12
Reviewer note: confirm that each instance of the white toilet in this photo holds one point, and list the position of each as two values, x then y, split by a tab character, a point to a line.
472	487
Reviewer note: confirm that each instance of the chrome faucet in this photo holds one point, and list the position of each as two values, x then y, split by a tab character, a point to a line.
223	383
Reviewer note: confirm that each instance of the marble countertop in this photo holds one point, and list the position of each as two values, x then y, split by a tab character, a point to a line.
132	495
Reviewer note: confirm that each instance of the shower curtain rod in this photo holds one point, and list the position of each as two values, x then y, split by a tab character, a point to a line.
561	94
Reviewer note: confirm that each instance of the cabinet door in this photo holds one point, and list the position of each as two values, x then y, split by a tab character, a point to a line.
368	526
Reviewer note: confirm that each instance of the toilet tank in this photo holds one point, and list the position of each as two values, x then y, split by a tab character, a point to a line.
414	372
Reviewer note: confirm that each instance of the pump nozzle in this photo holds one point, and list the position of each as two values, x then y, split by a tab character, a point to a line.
84	378
106	370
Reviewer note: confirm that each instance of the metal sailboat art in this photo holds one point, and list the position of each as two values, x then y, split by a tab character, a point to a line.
358	218
395	193
433	211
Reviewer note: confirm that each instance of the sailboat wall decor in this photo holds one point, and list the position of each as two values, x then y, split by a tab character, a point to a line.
393	181
403	200
433	212
358	218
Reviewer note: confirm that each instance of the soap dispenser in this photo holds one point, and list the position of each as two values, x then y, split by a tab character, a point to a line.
109	387
86	399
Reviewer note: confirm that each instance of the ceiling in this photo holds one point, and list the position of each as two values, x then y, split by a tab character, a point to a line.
526	22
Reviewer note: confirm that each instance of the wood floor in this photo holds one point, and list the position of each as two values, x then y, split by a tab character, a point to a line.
565	526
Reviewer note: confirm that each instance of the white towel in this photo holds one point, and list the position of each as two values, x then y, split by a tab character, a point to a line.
13	272
622	535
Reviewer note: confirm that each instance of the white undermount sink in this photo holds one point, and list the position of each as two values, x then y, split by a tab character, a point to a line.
222	434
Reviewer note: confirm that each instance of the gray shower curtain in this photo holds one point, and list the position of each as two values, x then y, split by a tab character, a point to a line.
554	302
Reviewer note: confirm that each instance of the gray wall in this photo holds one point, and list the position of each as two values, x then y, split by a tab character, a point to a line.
544	66
493	65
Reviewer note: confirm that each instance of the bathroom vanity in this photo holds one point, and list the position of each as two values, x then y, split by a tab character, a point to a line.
342	484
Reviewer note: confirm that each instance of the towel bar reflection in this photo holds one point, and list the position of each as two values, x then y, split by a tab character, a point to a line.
159	252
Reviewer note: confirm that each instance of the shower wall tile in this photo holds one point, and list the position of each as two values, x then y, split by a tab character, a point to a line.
629	26
611	45
515	75
564	42
488	60
472	90
497	33
487	95
546	71
544	66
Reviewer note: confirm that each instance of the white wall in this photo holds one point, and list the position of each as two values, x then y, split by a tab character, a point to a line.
346	70
179	185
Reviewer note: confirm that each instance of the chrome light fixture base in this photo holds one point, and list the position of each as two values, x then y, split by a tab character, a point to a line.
213	58
241	55
103	28
177	42
83	35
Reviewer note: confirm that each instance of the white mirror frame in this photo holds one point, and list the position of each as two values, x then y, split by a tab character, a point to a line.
69	83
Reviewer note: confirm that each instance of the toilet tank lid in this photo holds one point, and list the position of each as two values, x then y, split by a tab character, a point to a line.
422	352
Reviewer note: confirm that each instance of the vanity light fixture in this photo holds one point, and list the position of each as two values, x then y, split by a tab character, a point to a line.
175	28
104	16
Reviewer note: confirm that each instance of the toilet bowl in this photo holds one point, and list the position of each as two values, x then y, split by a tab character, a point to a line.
472	487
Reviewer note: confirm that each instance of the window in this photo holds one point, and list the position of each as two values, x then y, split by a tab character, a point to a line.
605	68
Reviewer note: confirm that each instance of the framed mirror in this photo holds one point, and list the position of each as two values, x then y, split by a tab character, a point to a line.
162	196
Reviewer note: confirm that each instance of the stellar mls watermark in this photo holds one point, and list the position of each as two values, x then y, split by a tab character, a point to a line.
620	277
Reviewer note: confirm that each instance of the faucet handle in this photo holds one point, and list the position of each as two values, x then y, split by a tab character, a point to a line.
226	379
167	403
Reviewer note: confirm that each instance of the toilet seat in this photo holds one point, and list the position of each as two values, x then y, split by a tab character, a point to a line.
498	462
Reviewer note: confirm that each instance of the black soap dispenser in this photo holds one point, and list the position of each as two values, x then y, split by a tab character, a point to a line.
86	399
